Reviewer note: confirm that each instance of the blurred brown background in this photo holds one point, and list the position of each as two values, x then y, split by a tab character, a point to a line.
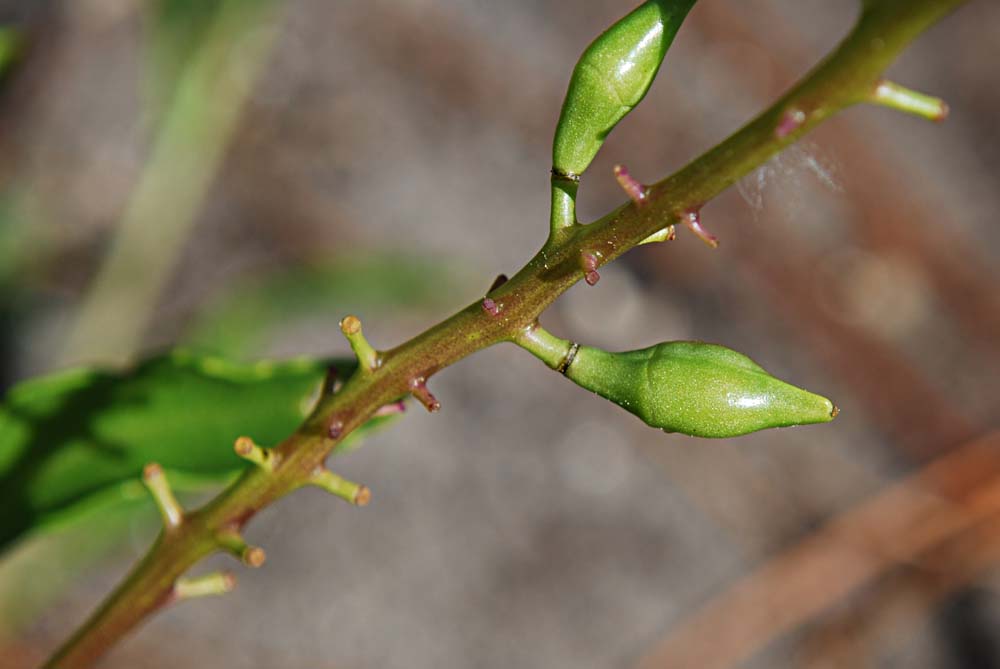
240	175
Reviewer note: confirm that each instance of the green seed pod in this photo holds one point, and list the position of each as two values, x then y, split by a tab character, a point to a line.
704	390
611	78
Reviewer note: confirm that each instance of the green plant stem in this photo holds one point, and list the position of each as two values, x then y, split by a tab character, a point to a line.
847	76
563	214
545	346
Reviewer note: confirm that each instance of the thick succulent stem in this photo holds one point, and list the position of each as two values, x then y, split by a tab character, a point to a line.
846	77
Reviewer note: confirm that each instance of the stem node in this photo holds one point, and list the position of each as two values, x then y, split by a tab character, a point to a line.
589	263
491	307
791	120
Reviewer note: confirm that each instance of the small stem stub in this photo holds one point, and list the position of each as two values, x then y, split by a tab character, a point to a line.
667	234
355	493
692	219
890	94
368	359
790	121
418	387
390	409
589	263
216	583
159	487
233	542
262	457
491	307
636	191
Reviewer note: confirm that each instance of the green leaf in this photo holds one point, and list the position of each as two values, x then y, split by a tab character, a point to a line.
78	440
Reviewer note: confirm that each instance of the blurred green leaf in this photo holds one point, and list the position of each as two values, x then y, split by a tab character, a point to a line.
178	29
10	46
241	319
77	440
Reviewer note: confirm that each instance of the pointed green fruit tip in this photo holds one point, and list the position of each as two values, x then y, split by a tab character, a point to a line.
829	411
803	407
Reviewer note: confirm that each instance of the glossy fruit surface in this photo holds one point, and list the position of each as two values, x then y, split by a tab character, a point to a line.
699	389
611	78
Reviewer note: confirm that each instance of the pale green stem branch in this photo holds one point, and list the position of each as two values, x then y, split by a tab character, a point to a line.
892	95
216	583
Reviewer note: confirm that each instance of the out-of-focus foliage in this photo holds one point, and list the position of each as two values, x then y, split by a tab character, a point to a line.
177	29
10	42
239	320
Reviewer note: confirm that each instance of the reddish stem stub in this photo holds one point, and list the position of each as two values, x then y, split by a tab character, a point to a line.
391	409
336	428
490	306
589	263
692	219
790	121
636	191
418	387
